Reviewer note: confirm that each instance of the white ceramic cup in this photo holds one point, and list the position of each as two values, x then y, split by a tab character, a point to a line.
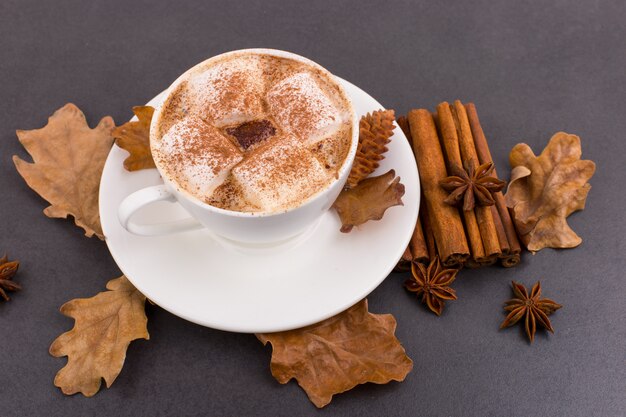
244	227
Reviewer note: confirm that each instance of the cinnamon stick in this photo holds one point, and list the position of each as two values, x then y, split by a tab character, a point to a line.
404	264
418	248
468	153
511	260
429	236
450	140
444	219
484	156
504	242
403	122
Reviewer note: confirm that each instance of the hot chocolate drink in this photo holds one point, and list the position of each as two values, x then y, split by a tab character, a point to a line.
254	133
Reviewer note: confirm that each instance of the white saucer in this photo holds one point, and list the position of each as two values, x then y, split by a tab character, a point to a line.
206	281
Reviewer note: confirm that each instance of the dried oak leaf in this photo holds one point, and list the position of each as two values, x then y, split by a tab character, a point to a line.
544	190
96	347
68	158
134	137
369	200
375	130
337	354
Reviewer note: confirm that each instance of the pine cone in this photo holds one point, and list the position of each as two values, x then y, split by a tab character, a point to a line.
375	129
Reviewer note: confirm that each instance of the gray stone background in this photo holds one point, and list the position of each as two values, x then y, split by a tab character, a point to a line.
532	68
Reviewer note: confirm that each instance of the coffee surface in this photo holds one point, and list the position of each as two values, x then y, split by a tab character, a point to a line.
254	133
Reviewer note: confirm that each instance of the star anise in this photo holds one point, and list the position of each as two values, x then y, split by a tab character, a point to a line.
433	283
471	184
533	308
7	271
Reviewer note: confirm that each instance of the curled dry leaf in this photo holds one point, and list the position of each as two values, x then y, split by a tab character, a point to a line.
68	158
134	137
375	130
369	200
104	327
337	354
545	189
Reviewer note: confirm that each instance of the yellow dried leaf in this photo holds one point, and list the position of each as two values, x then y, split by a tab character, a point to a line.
104	327
134	137
369	200
337	354
375	130
68	158
545	189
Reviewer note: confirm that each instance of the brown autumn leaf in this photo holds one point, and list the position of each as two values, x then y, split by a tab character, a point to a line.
545	189
68	158
134	137
104	327
369	200
375	131
339	353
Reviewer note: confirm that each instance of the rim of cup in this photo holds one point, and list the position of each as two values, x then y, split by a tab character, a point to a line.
341	174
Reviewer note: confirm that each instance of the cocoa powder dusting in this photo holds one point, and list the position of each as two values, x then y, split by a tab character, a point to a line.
256	156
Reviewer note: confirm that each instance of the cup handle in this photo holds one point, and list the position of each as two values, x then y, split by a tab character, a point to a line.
142	198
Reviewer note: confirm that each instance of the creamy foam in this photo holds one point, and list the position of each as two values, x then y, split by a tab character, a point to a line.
254	133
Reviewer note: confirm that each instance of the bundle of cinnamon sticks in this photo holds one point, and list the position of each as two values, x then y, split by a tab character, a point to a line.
485	235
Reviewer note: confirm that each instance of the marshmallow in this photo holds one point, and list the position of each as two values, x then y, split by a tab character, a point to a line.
198	155
279	174
299	106
229	92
